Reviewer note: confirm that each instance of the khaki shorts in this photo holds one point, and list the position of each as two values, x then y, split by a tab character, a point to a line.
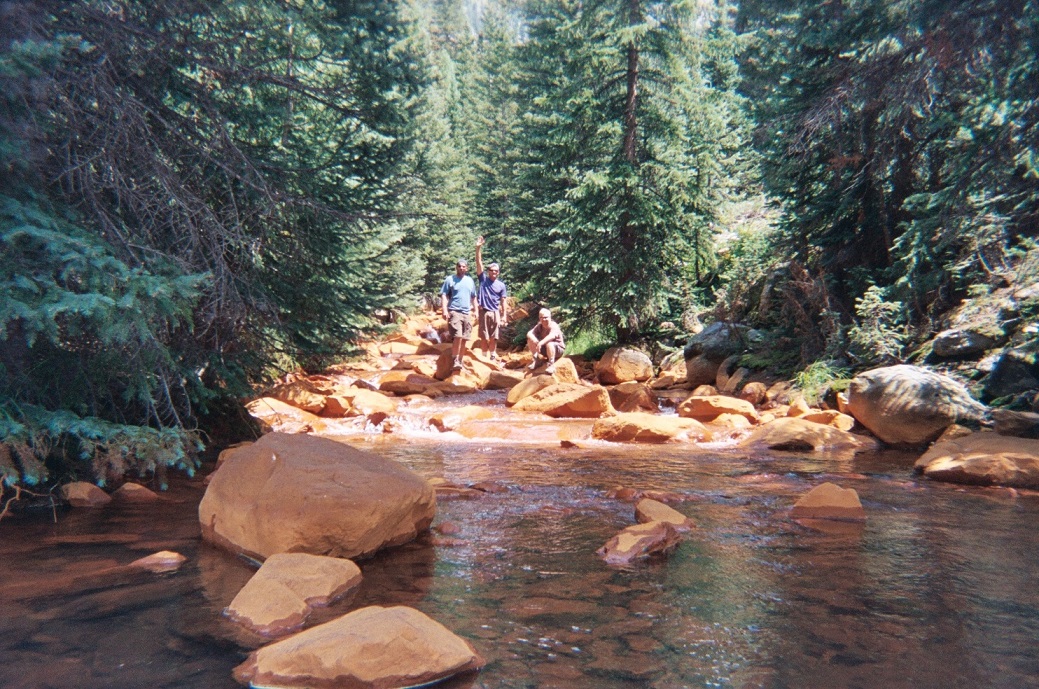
490	324
461	325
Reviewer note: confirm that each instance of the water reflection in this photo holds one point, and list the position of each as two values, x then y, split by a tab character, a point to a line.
938	588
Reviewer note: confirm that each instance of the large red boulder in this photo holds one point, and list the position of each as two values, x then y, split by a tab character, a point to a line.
297	493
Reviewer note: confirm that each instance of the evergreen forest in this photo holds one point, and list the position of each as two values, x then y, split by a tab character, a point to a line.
198	197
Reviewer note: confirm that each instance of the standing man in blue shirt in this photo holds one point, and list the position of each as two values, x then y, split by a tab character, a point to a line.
458	298
491	299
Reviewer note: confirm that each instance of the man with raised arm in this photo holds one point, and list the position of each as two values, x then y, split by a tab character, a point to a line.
490	297
458	299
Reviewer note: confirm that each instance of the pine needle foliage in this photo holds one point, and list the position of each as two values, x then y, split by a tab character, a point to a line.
629	124
193	191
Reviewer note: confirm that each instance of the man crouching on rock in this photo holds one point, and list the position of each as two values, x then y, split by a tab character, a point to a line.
545	340
458	300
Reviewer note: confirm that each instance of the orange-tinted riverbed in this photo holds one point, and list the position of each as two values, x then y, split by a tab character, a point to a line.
938	588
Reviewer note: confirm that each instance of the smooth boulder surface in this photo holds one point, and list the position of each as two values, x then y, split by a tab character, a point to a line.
381	648
984	459
83	494
909	405
640	541
284	591
829	501
569	400
639	427
297	493
648	510
622	365
711	407
797	435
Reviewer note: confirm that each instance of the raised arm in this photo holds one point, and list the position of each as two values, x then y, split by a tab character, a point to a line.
479	255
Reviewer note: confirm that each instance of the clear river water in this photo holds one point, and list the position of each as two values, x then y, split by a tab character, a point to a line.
939	587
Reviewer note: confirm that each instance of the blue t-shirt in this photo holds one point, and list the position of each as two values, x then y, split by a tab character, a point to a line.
491	293
460	291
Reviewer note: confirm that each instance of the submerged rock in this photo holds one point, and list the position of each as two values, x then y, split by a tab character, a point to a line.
984	459
284	591
648	510
640	541
303	494
829	501
382	648
160	562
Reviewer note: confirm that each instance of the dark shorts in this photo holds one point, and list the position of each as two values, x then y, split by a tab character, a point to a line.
548	348
490	324
461	325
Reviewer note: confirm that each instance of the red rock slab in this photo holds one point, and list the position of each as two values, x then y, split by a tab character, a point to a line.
283	592
83	494
640	541
710	407
376	647
647	510
829	501
640	427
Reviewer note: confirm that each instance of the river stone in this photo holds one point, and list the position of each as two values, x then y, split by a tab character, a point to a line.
633	396
1023	424
528	387
647	510
406	383
160	562
640	427
451	419
798	435
284	591
295	493
716	342
640	541
376	647
358	402
134	492
960	342
301	394
1014	372
504	380
984	459
569	400
83	494
908	405
710	407
830	417
829	501
284	417
621	365
756	393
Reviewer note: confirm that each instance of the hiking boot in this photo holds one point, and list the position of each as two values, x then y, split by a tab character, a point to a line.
457	366
534	364
551	368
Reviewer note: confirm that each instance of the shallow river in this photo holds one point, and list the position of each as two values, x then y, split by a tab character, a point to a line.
938	588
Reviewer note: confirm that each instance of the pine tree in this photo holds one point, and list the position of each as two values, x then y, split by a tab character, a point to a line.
627	140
